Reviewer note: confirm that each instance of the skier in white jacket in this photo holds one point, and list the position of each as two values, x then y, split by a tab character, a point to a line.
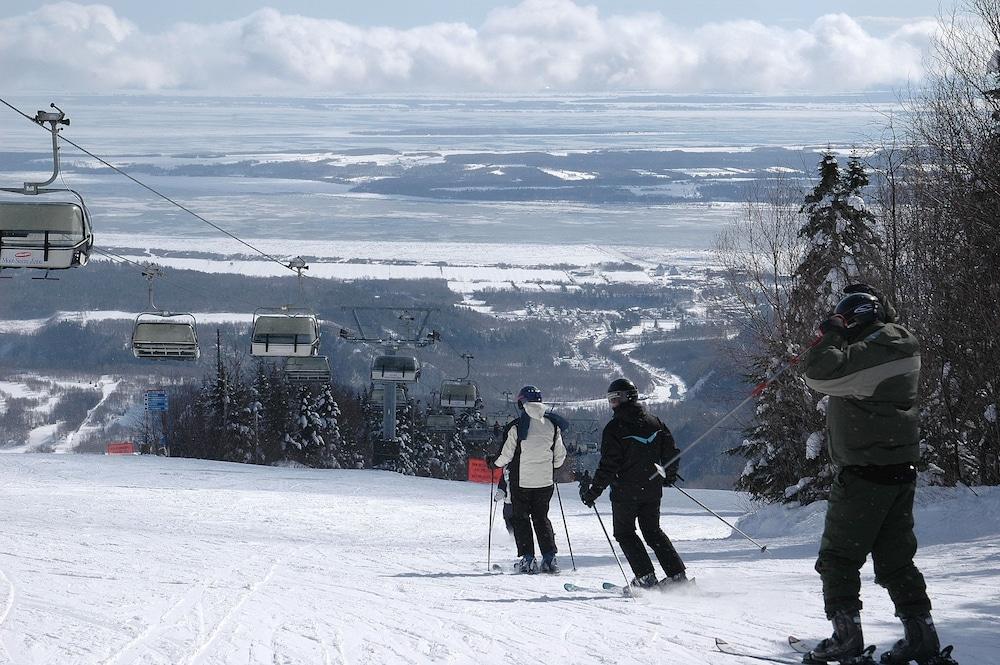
532	449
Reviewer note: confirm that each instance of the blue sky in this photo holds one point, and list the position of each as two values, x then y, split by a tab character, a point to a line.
470	46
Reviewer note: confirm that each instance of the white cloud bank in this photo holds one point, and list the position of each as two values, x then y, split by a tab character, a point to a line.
534	46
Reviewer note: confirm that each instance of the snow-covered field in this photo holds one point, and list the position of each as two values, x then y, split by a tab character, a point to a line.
148	560
466	266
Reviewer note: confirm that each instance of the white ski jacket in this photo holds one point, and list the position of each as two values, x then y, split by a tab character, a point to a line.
536	456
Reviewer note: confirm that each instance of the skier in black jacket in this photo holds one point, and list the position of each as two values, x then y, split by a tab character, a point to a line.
634	442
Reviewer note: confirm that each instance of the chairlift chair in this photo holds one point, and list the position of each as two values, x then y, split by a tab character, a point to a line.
440	422
378	396
284	333
165	336
402	369
459	395
478	434
49	235
311	369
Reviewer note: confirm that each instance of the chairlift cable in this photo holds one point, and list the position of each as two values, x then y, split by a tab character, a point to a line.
169	200
486	383
153	190
181	287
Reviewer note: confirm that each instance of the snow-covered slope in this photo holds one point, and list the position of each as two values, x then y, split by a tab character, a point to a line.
148	560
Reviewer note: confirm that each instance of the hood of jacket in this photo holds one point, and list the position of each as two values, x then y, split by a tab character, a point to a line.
535	410
631	413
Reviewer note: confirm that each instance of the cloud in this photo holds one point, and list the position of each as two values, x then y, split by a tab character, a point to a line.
533	46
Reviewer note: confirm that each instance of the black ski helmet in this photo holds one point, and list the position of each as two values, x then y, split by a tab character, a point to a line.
859	310
623	390
528	394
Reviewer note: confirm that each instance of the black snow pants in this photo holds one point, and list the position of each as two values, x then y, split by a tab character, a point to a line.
624	515
862	518
531	507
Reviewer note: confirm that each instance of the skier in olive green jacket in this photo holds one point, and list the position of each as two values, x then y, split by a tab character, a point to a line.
870	368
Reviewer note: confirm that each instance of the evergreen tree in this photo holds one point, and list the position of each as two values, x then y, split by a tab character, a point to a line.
328	457
354	451
277	410
785	445
454	459
304	441
240	424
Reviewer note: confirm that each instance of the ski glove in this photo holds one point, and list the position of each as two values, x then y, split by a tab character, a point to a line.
671	476
500	496
589	495
833	324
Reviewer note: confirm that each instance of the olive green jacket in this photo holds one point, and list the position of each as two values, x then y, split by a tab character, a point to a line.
872	417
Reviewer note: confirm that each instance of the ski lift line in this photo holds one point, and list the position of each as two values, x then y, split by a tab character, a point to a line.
181	287
153	190
485	383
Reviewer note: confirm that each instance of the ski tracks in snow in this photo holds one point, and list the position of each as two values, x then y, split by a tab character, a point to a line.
7	607
166	639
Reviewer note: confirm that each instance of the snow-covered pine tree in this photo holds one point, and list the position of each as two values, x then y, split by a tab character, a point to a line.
785	445
329	413
226	404
425	453
354	451
454	458
240	424
303	442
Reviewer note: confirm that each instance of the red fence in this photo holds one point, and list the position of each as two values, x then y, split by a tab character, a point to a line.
121	448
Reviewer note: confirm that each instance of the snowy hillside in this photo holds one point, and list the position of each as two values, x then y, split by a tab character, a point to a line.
152	560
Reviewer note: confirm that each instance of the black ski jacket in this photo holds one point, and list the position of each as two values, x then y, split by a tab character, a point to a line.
632	443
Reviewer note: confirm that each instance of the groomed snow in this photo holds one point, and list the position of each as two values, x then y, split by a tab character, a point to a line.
120	560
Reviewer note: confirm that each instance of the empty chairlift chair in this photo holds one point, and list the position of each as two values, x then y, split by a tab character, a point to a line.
440	422
284	335
404	369
312	369
50	235
459	395
165	336
378	396
44	234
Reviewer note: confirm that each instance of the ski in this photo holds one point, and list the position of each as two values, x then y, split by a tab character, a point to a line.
663	585
798	645
864	659
618	588
573	587
726	648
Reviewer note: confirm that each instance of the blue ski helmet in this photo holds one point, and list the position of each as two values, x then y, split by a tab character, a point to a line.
528	394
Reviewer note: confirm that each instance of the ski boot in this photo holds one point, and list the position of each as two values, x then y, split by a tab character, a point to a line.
846	645
943	658
920	643
526	565
672	582
549	564
647	581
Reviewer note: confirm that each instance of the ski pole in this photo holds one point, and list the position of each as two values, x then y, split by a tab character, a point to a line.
758	389
565	526
970	487
661	472
627	587
763	548
493	510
